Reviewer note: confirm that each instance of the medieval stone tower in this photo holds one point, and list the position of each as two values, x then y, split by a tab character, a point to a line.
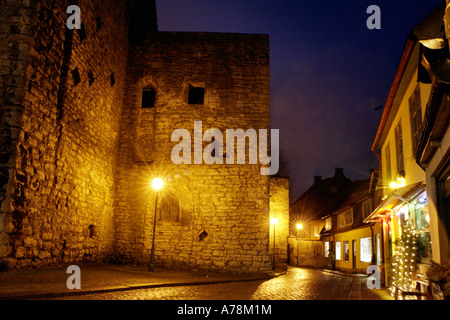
87	118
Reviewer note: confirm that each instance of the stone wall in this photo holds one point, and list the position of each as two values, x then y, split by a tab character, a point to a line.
64	121
307	253
223	209
78	152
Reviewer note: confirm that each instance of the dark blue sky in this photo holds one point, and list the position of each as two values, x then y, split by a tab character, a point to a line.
328	70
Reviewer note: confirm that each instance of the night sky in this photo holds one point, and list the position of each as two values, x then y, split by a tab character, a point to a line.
329	72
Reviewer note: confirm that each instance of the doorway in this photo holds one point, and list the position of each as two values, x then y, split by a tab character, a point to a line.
354	254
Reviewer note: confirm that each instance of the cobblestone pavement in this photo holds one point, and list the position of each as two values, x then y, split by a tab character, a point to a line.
296	284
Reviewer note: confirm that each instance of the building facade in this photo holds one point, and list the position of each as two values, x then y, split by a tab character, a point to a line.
88	117
351	244
406	191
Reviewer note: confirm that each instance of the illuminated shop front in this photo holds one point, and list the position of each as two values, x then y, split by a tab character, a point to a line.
404	210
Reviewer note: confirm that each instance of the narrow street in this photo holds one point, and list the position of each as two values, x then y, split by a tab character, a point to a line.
296	284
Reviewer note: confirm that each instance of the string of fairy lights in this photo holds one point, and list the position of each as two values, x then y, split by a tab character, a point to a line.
405	259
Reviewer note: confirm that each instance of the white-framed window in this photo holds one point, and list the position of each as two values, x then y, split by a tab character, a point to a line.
346	251
345	218
327	249
365	249
338	250
316	231
378	248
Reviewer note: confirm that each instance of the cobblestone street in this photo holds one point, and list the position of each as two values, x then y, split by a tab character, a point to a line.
296	284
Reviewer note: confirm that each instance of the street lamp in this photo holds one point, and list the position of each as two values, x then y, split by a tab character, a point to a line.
274	222
157	184
299	226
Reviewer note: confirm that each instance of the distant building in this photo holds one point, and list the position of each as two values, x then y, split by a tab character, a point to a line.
350	244
306	223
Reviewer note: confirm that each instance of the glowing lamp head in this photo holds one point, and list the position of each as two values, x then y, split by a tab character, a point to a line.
273	221
393	185
157	183
299	226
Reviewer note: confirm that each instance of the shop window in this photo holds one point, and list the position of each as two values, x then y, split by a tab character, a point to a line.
327	249
338	250
148	98
196	95
421	222
346	251
365	249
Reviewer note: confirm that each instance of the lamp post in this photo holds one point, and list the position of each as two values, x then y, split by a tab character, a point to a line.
274	222
299	226
157	184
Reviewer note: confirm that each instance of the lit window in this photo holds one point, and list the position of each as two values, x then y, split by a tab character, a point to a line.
345	218
346	251
365	249
327	249
328	224
338	250
316	231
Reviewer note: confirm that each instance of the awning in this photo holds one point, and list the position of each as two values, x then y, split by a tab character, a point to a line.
400	196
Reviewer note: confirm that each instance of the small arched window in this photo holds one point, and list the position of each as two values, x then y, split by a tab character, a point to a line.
148	98
170	207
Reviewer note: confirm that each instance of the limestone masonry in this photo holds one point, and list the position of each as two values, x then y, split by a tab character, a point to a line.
86	123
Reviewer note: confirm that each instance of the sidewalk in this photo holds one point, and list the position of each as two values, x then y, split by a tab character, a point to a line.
101	278
359	289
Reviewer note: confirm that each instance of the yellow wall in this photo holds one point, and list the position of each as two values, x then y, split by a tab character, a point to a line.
413	173
355	234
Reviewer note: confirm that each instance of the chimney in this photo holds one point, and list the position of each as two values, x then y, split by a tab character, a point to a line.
143	19
317	179
339	173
